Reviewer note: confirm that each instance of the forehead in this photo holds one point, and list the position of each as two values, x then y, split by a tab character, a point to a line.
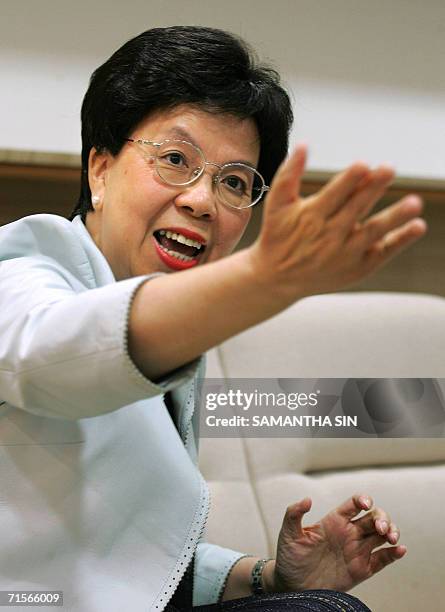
222	137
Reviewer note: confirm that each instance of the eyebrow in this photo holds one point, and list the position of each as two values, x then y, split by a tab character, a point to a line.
179	132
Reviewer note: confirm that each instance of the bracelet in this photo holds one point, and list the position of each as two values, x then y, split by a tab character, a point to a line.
257	576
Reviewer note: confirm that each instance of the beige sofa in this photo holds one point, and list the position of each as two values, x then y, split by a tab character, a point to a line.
253	480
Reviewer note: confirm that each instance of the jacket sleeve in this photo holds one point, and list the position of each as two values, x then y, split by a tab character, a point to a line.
63	346
212	567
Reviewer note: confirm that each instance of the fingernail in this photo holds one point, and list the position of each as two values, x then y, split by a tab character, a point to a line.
420	224
361	169
382	526
414	200
393	536
366	501
387	166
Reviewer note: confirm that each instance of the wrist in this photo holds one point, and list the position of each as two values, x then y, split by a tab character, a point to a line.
262	577
268	577
272	284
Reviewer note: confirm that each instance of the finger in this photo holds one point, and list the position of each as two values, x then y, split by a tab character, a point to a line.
376	521
367	194
385	528
383	557
394	243
373	541
381	526
384	177
286	185
354	505
294	516
393	534
391	218
339	189
381	521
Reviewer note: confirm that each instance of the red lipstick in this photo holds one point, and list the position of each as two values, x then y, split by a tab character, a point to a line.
173	262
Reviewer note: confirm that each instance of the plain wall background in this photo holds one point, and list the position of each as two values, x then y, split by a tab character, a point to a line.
367	78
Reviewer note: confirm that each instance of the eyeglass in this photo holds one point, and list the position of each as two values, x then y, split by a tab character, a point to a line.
182	163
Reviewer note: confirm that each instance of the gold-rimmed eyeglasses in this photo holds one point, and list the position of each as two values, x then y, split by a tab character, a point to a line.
181	163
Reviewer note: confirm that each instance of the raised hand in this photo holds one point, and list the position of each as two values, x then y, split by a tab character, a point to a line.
327	241
336	552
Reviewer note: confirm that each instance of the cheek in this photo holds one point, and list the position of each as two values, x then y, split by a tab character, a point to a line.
234	230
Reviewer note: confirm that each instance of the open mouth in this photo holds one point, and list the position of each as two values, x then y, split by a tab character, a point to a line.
178	251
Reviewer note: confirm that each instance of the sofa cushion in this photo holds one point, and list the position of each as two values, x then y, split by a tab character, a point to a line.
344	335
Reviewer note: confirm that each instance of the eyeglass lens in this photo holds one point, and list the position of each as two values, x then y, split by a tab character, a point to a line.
181	163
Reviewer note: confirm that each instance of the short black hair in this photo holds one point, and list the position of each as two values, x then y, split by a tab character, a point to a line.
165	67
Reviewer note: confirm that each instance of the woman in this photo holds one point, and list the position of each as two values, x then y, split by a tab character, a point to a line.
182	134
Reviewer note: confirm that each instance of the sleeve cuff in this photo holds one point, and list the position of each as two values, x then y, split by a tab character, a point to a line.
212	567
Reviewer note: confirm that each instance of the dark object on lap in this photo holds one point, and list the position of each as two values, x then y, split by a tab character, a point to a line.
312	601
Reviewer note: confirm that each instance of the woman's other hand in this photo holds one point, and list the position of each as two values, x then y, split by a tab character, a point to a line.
327	241
336	552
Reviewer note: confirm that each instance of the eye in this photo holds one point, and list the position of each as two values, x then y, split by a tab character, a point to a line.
235	183
175	158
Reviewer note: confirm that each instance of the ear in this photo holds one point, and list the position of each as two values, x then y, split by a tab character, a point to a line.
98	164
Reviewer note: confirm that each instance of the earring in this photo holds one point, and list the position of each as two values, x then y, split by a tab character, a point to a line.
95	200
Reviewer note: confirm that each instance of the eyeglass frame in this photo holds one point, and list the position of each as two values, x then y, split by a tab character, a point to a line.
215	178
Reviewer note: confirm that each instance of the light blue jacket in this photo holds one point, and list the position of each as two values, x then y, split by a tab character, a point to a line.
100	494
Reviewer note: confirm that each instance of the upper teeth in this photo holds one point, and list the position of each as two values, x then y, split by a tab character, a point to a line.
180	238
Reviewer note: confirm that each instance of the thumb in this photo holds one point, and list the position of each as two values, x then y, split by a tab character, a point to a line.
286	185
294	516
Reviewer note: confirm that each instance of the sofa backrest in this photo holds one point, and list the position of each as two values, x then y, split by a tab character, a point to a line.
344	335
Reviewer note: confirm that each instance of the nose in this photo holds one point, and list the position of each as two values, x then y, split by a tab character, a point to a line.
199	198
